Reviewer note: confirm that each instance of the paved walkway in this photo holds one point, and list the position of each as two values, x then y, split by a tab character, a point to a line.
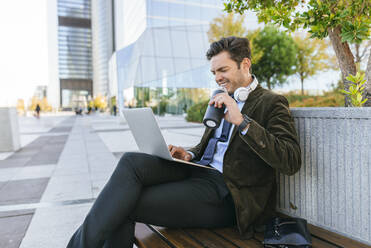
48	186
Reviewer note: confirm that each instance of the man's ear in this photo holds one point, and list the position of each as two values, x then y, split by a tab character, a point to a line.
246	64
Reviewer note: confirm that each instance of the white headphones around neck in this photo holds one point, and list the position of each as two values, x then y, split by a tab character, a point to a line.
242	93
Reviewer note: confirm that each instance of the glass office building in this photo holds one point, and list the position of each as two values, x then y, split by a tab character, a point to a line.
162	55
74	52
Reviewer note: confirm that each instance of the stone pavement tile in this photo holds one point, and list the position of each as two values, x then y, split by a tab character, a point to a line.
16	227
102	164
22	191
40	141
27	139
66	156
75	145
101	168
4	155
30	150
96	147
31	172
56	223
92	137
2	184
71	150
16	162
71	167
7	174
44	159
71	187
119	141
61	129
100	176
4	214
24	153
54	147
105	157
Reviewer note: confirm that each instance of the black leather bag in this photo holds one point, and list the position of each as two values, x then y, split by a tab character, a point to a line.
287	233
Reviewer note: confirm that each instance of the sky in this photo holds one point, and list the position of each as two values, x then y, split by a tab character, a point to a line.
24	54
23	49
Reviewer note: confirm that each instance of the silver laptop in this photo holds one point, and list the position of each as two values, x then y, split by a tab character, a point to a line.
148	136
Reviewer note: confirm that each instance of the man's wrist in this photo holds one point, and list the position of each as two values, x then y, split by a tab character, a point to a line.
245	124
246	128
240	120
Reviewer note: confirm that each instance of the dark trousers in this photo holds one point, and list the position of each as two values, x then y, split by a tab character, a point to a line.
148	189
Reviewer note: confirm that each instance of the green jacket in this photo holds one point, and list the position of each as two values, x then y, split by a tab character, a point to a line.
251	160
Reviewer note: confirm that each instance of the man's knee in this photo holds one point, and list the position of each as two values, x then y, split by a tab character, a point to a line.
128	159
133	160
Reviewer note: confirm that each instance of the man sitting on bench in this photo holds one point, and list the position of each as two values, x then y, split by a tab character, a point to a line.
256	138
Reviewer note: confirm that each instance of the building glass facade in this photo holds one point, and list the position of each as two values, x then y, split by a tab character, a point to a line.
74	52
102	44
167	62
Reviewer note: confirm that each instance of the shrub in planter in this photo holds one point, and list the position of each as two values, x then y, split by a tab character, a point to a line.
196	112
160	108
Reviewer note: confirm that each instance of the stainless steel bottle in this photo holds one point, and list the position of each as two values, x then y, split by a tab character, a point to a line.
213	116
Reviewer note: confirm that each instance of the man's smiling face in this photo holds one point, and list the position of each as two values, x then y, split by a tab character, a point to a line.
226	72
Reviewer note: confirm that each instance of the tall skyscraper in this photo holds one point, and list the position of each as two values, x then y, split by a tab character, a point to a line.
102	42
74	52
80	44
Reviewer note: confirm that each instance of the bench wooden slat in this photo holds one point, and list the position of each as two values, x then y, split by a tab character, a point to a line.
208	238
177	237
233	235
227	238
335	238
146	238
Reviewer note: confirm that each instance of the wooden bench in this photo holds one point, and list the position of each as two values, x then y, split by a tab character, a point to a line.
147	236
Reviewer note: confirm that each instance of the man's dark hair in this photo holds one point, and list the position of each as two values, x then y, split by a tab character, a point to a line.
238	48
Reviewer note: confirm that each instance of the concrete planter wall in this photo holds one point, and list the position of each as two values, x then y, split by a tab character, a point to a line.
9	130
333	188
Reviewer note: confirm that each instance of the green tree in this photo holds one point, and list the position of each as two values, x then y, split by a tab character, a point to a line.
231	25
344	21
312	57
279	56
226	25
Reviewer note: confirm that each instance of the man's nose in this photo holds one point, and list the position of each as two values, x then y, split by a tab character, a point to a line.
218	78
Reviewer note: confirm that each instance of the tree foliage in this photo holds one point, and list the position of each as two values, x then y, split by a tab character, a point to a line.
232	25
99	102
316	15
226	25
43	103
21	109
312	57
344	21
279	56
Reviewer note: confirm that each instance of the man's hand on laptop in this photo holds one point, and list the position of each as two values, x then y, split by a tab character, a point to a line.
179	153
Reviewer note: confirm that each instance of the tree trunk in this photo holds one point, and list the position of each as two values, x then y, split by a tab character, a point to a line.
302	86
368	83
269	83
344	56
